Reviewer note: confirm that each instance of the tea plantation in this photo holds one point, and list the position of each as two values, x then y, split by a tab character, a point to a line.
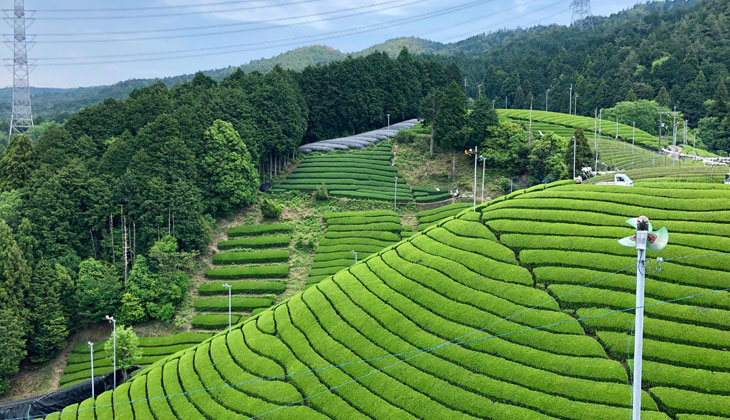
254	261
625	132
520	310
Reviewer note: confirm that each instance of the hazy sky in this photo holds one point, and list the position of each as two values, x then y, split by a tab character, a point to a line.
92	42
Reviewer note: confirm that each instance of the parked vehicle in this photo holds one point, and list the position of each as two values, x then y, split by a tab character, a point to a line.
620	180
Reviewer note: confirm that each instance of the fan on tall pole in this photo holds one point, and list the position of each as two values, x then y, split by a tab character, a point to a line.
582	17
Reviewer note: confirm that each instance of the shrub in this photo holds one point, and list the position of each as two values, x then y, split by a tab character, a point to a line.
267	241
269	209
238	303
321	194
239	287
215	320
251	230
249	272
246	257
433	198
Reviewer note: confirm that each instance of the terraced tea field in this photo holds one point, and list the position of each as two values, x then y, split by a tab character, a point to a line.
625	132
254	261
367	174
348	233
520	310
78	364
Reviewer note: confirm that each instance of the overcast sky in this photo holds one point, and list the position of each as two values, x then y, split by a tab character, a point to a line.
93	42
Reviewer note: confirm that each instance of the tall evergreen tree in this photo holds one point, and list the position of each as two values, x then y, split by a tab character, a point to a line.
231	179
583	156
663	98
47	321
481	118
721	107
17	163
450	123
97	290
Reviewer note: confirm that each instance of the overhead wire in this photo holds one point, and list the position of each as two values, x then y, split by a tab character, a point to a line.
261	45
170	6
417	352
393	4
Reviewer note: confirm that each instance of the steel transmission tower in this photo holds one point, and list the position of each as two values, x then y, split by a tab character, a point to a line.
582	14
22	117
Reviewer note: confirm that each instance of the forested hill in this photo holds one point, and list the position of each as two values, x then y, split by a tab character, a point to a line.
675	52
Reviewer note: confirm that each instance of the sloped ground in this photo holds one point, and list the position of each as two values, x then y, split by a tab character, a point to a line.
461	321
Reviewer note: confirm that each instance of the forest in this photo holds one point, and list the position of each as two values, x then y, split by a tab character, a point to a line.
105	212
675	52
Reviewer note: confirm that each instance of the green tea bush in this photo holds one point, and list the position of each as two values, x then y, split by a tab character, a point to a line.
262	229
216	321
266	241
269	209
240	287
238	303
247	257
270	271
321	193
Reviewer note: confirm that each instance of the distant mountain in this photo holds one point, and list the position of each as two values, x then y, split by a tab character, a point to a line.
297	59
414	45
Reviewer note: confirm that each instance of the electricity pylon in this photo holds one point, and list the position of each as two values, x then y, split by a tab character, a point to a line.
22	115
582	17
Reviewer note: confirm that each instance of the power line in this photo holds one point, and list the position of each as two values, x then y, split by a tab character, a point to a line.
417	352
173	6
159	15
195	28
317	37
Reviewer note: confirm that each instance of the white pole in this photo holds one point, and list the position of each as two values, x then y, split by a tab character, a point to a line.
570	101
476	156
547	93
484	167
395	193
91	350
694	146
642	233
674	136
633	138
529	138
355	252
229	287
575	149
388	122
595	136
114	342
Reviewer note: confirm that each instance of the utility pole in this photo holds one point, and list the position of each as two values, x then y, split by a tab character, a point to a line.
505	103
575	108
674	135
395	193
644	238
547	93
660	129
570	102
595	136
694	146
479	86
388	115
91	350
575	150
616	128
476	156
114	338
633	138
529	135
484	167
21	118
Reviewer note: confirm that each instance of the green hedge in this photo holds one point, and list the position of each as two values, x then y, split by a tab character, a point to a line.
241	287
271	271
451	209
680	401
216	320
238	303
354	241
665	352
367	213
248	257
656	328
378	235
433	198
350	247
373	195
267	241
250	230
362	220
391	227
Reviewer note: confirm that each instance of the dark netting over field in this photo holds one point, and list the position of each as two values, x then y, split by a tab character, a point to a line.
358	141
